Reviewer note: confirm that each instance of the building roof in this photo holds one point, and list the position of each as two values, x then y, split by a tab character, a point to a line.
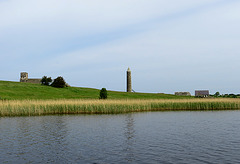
202	92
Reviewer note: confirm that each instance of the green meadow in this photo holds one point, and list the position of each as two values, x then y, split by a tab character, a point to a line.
24	99
27	91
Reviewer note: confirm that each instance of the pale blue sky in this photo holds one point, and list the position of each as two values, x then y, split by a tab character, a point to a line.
170	45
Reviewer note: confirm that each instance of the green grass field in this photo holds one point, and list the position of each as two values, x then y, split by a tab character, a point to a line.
24	99
27	91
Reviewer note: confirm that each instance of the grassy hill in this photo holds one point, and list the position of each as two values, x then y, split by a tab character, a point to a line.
23	91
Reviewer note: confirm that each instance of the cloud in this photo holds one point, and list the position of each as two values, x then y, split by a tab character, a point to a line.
86	16
169	45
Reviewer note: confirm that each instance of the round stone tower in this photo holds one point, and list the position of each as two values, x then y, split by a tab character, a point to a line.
129	81
23	77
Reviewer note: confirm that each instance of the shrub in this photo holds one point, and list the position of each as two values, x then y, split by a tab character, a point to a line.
46	80
103	94
217	94
59	82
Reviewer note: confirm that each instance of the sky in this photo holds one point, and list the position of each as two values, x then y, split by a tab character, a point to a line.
169	45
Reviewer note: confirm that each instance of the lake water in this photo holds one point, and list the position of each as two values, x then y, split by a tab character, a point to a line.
152	137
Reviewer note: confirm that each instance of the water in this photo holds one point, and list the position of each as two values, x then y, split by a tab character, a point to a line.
152	137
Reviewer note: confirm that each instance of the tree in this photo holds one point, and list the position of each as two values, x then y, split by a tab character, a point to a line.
59	82
234	96
46	80
217	94
103	94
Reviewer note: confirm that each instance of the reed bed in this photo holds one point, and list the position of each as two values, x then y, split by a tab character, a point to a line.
47	107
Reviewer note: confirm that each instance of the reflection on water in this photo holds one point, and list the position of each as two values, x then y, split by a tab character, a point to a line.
129	133
152	137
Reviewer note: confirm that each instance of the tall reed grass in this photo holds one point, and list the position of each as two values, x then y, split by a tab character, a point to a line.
46	107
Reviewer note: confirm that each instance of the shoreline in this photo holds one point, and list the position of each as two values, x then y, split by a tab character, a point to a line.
10	108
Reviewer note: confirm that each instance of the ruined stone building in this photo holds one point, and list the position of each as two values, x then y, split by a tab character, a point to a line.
183	93
24	78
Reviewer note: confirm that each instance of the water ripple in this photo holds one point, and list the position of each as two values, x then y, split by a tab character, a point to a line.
152	137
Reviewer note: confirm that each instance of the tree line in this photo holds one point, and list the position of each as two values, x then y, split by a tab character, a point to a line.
217	94
59	82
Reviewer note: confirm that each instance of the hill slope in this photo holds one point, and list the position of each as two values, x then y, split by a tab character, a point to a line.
21	91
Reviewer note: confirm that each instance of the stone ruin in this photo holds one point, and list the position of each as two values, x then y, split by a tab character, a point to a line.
183	93
24	79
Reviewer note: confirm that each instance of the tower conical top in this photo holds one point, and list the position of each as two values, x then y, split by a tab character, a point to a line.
129	69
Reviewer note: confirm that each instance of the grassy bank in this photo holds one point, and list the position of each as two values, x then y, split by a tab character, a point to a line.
45	107
27	91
